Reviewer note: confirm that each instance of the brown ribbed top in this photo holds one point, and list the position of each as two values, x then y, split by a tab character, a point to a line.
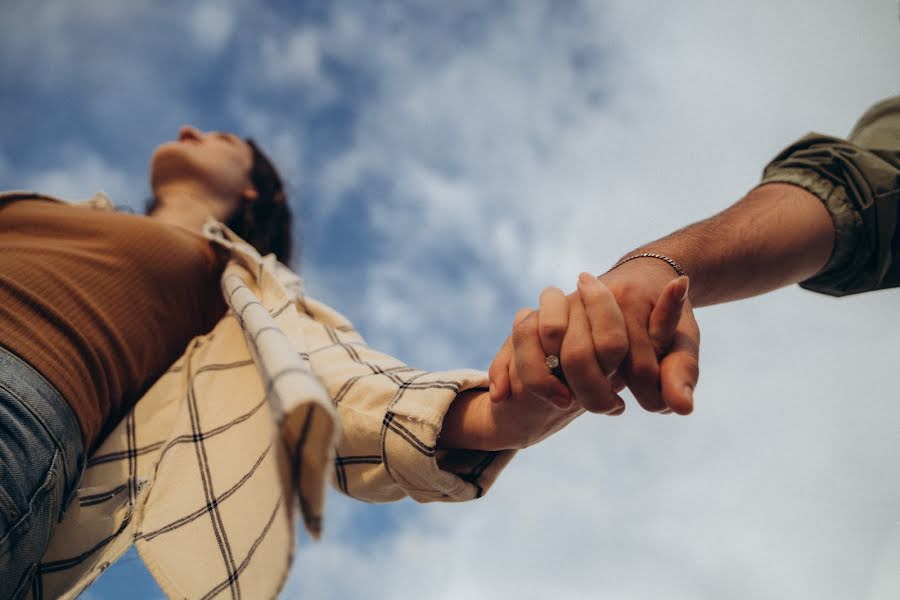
101	303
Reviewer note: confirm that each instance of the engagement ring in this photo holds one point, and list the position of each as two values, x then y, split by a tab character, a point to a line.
552	362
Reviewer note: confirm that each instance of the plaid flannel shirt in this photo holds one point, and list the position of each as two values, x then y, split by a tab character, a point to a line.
205	473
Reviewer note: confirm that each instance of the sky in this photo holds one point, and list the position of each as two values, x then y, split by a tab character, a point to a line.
447	161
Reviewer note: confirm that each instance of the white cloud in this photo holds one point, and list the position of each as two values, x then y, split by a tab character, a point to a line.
212	25
290	63
84	174
524	148
293	59
51	45
783	484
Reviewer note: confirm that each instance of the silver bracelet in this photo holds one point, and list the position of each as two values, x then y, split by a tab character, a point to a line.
662	257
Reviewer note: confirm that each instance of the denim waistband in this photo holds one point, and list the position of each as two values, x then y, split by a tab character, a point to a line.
49	407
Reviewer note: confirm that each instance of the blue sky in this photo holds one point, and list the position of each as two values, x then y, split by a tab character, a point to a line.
447	161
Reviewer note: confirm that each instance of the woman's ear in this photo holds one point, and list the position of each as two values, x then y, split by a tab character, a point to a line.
250	194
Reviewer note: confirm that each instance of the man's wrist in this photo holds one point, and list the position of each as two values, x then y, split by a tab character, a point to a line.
641	270
675	265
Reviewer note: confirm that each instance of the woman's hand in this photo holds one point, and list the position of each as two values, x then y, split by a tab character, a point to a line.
474	422
585	330
634	326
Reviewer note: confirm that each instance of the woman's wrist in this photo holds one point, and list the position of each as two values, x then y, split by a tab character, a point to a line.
464	426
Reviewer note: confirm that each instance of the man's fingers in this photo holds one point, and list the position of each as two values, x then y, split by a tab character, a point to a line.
680	368
608	332
641	367
529	359
579	363
616	382
666	314
652	339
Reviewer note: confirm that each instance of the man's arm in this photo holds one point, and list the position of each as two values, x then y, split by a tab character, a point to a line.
777	235
827	209
826	215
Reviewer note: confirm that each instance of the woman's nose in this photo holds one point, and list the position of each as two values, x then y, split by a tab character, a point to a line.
188	132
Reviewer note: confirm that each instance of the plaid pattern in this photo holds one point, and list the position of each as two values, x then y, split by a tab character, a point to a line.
205	474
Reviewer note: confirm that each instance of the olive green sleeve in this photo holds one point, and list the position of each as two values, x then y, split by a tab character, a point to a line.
858	181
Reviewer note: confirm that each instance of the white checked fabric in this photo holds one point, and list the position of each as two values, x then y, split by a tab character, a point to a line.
205	474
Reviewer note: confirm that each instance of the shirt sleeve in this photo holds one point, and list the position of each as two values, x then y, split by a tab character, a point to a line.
391	416
858	181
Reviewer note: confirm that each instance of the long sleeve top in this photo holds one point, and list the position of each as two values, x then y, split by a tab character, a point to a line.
858	181
207	474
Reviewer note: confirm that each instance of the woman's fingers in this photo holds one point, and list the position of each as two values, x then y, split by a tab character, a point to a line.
579	363
500	373
530	364
607	325
553	319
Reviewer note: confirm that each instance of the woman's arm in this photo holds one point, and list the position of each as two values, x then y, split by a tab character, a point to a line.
474	422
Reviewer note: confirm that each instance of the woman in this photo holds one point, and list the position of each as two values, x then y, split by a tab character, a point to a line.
95	305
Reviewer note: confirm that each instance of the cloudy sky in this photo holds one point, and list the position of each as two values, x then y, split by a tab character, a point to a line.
450	159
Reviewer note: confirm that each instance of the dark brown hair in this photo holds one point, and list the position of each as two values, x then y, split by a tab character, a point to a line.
265	223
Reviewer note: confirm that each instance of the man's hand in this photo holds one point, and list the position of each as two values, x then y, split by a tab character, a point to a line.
634	326
662	365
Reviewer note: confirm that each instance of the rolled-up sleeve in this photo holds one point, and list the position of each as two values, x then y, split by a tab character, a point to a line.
858	182
391	415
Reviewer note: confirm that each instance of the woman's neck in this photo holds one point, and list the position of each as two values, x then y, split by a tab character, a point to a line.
185	208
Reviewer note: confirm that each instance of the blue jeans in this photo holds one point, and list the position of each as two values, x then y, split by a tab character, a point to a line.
41	460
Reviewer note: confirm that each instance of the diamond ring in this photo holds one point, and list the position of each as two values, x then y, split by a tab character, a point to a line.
552	362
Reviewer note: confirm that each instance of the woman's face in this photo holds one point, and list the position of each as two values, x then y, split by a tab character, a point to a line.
213	163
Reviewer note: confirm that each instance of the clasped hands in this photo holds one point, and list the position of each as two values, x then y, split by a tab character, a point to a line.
631	327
